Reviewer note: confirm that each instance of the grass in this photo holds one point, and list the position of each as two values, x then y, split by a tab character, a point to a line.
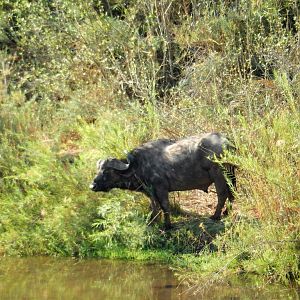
77	85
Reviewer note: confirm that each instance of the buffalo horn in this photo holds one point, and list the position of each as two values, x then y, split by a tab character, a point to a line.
118	165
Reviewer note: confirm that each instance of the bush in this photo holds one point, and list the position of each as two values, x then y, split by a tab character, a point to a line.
80	82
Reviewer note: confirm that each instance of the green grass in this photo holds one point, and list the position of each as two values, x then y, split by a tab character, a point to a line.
77	85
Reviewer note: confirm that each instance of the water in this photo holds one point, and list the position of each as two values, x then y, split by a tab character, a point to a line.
39	278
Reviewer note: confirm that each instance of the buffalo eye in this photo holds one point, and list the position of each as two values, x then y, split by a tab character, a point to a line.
105	175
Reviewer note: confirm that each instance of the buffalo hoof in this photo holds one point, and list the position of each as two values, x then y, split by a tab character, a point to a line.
226	212
168	226
215	218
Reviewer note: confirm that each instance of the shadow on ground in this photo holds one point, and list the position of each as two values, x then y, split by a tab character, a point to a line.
191	232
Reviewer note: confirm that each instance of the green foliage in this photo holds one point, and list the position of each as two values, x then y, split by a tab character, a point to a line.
81	81
119	226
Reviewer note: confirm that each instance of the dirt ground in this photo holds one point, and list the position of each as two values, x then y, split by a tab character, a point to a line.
196	201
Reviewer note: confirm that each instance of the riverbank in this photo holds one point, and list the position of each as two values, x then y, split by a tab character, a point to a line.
47	208
80	82
64	278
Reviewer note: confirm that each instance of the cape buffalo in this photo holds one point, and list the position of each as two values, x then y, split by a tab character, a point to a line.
159	167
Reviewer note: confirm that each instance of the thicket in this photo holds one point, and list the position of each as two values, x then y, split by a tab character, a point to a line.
81	80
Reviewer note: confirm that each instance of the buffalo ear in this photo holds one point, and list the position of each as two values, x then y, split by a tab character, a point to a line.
118	164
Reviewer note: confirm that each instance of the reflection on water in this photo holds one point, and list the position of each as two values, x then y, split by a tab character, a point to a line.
50	278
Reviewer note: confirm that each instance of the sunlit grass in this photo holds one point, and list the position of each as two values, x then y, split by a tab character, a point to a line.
78	85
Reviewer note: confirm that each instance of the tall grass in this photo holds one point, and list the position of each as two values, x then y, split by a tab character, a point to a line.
262	236
81	82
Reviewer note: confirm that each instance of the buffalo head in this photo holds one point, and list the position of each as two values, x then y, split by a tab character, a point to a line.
111	173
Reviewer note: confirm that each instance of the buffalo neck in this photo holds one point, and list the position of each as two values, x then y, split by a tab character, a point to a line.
131	183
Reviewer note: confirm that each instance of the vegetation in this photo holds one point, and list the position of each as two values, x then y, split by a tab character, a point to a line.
83	80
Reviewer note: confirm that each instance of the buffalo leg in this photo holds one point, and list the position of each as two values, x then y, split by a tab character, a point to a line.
222	192
163	198
155	209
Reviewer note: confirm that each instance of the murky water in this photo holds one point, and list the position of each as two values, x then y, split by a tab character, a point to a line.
49	278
